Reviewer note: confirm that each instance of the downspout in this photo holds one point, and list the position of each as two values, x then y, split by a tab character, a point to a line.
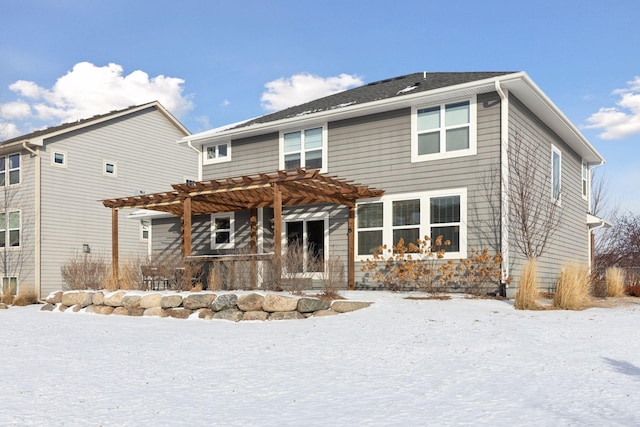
504	179
37	249
190	145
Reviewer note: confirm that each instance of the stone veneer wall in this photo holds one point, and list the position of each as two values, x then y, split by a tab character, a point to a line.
206	305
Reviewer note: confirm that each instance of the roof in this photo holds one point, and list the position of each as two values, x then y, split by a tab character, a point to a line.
37	137
298	187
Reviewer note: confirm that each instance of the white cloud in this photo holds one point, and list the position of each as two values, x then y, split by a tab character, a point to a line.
88	90
623	120
299	88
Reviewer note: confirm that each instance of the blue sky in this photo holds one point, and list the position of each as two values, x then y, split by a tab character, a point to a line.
218	62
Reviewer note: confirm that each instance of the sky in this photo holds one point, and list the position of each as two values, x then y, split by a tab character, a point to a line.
212	63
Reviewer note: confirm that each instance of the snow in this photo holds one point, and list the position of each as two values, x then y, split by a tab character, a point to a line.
398	362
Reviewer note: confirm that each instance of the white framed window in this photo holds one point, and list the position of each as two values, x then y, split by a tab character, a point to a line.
109	168
556	173
222	230
217	153
59	159
585	180
383	221
10	169
10	226
9	285
305	148
145	229
309	235
444	130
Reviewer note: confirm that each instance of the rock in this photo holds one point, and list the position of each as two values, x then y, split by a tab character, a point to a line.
224	302
347	306
150	300
136	311
131	301
4	306
47	307
105	309
178	312
250	302
329	312
308	305
255	315
54	297
77	298
63	308
196	301
206	313
91	309
114	299
155	311
98	298
232	314
286	315
170	301
76	308
121	311
274	302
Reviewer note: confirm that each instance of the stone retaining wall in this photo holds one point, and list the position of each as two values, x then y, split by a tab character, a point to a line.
205	305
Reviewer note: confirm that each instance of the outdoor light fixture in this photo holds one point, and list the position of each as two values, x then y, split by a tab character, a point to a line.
85	248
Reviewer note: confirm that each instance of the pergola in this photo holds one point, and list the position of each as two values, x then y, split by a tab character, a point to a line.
277	189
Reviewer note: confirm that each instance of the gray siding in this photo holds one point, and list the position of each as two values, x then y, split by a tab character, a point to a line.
570	243
148	158
248	156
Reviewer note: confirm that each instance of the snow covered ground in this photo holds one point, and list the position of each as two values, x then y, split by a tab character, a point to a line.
399	362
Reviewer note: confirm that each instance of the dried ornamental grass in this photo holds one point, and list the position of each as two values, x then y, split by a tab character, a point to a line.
527	295
614	278
26	297
573	290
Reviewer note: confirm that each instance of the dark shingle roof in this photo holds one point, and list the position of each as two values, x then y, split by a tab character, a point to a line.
383	89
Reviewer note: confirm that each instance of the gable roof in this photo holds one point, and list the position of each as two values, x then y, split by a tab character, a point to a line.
37	137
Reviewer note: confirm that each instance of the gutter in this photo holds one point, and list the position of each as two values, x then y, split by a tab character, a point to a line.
504	179
37	219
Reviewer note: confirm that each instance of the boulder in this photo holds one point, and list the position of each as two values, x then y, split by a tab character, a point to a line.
98	298
206	313
150	300
54	297
196	301
47	307
77	298
255	315
121	311
178	312
170	301
136	311
63	307
232	314
329	312
114	299
92	309
308	305
347	306
131	301
274	303
105	309
76	308
286	315
155	311
250	302
224	302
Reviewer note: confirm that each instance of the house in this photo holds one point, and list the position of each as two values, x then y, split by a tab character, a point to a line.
432	153
52	180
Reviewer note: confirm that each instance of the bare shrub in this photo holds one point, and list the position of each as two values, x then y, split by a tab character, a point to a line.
130	273
573	289
183	274
332	276
480	272
528	294
26	297
633	291
614	278
298	259
241	272
84	271
6	298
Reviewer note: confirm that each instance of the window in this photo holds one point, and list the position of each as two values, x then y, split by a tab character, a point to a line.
217	153
585	180
109	168
443	131
556	173
222	228
303	149
307	238
9	285
411	217
59	158
10	231
145	227
10	164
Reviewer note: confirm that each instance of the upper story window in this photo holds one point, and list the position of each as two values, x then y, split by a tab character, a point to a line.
585	180
443	131
145	228
109	168
556	173
217	153
10	229
10	164
222	230
304	149
59	158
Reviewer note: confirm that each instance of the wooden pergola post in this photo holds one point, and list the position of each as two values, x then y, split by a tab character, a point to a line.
253	245
186	227
277	220
114	243
351	258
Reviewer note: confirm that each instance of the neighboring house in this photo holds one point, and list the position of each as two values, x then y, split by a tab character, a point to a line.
437	144
52	180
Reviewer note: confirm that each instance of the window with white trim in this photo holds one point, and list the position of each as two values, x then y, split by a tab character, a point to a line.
10	225
217	153
222	230
411	217
303	149
59	158
443	131
109	168
556	173
145	228
9	285
10	165
585	180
